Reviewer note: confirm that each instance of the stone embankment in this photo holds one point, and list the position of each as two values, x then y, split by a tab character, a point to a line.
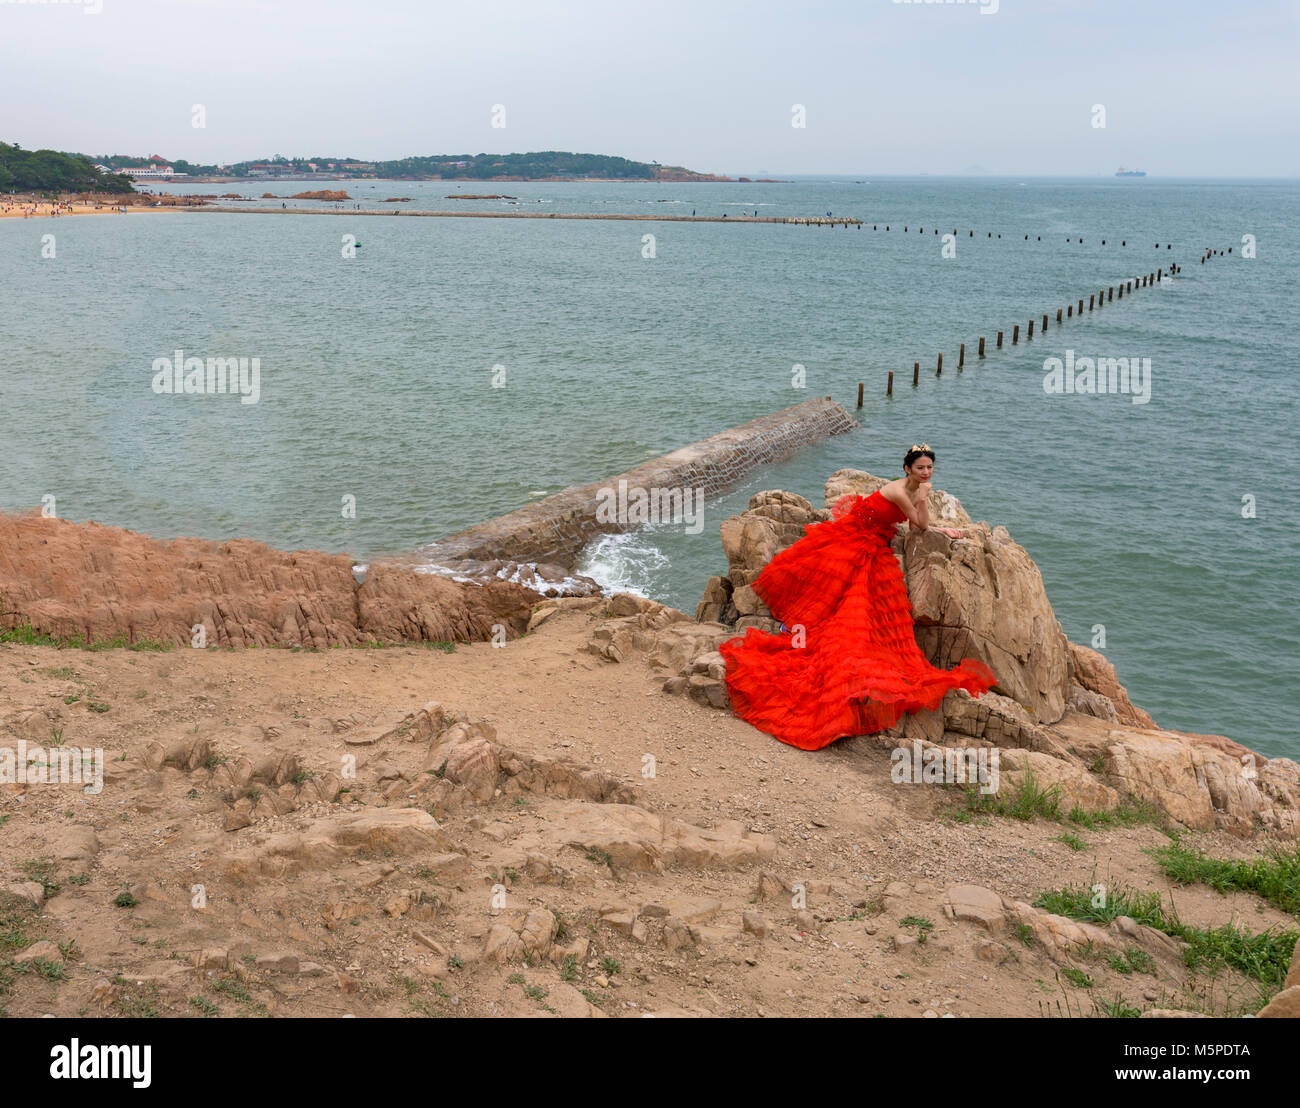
557	528
638	217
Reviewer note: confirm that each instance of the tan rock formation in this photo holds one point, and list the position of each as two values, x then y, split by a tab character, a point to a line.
66	579
1095	673
980	596
1058	714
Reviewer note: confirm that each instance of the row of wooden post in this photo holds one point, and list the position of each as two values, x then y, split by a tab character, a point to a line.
1094	299
1068	238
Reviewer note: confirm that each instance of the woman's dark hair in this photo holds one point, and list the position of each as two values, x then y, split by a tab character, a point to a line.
923	451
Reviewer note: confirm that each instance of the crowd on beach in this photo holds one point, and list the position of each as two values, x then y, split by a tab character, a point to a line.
29	208
25	207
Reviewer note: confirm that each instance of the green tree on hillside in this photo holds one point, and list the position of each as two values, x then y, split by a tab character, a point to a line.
52	171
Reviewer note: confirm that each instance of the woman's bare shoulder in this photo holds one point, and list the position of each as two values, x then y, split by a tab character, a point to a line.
893	490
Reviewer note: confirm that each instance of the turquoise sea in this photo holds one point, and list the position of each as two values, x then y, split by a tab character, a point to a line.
376	381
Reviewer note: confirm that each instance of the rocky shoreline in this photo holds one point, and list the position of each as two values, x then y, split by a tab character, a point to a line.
549	815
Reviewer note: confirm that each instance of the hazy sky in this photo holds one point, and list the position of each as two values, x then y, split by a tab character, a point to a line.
1189	88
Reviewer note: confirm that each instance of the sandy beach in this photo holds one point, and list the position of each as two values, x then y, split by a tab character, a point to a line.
30	207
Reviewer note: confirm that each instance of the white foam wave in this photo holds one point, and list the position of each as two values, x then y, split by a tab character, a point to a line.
629	562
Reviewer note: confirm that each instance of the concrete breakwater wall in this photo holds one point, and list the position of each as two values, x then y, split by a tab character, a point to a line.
556	529
805	221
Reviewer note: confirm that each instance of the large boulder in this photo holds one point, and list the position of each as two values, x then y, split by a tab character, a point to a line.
773	521
981	596
1096	675
1202	781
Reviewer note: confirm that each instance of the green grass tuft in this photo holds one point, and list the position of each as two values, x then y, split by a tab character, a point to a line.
1263	957
1275	876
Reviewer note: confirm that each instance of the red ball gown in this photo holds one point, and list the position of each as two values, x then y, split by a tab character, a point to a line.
858	668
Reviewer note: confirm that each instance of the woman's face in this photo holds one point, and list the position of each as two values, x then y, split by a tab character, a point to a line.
921	469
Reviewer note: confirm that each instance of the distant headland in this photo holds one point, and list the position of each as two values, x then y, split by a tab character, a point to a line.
545	165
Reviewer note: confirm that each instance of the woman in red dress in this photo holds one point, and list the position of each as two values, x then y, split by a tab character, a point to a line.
848	663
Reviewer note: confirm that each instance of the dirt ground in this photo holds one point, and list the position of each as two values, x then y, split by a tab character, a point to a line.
364	903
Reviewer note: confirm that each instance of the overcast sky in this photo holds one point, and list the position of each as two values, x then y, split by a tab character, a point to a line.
1189	88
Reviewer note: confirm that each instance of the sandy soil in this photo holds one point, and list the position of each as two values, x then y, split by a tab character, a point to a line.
320	927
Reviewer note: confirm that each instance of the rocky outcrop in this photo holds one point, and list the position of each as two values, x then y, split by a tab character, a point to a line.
773	521
322	194
66	579
1096	677
980	596
1061	938
1058	715
683	654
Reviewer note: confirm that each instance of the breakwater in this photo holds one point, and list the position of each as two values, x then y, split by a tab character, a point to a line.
1104	296
556	529
803	221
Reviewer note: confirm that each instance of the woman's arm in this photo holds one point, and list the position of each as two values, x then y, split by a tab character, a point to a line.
908	507
918	511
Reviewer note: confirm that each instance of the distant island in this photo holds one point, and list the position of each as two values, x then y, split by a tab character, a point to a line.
545	165
51	171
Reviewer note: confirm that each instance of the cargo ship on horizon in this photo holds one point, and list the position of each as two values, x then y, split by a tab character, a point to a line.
1122	172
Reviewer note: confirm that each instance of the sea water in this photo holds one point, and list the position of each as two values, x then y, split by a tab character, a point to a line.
450	370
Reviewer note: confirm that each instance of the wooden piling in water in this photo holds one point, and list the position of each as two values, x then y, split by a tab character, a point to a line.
999	340
859	394
916	374
1069	312
1044	321
1015	334
1030	333
1090	296
961	356
1081	305
1058	316
1110	294
982	346
939	369
889	388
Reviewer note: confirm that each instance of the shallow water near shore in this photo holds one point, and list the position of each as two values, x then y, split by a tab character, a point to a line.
376	379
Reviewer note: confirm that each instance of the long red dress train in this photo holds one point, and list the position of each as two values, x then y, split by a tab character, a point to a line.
859	668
